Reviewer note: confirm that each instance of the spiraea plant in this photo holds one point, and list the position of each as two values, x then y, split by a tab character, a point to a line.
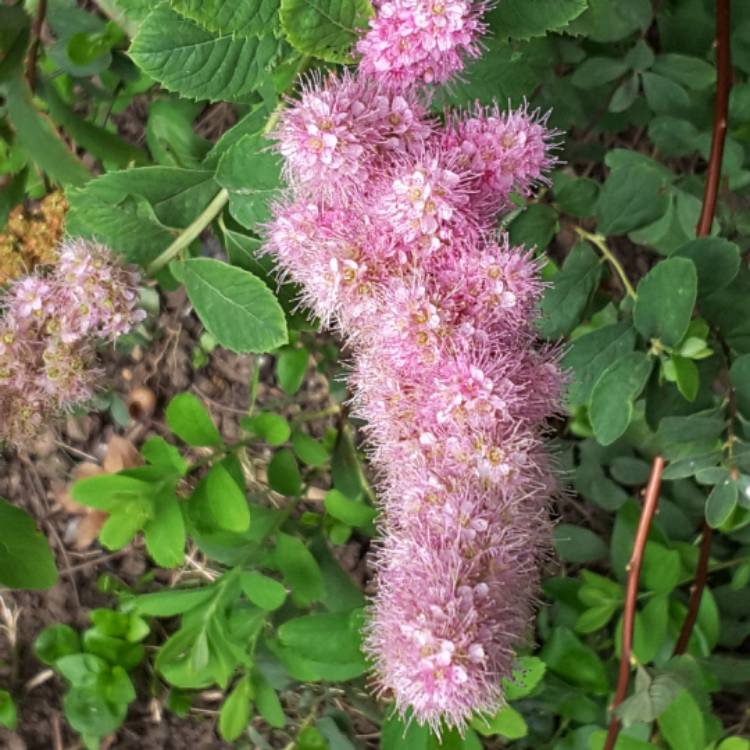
504	246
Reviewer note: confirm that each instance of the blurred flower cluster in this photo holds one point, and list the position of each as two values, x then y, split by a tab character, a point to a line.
52	321
31	237
389	226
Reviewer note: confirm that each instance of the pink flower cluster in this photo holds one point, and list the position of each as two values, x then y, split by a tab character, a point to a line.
389	228
48	333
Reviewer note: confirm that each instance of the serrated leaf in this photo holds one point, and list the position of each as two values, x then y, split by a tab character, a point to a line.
237	308
239	17
326	29
138	212
521	19
666	297
197	64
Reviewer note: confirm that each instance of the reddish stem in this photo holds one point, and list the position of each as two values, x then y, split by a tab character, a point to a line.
710	195
650	504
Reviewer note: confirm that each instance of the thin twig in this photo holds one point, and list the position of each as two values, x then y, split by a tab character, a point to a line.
600	242
650	504
710	195
36	32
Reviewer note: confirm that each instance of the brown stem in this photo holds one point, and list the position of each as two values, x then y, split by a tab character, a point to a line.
721	117
710	195
696	591
650	504
36	32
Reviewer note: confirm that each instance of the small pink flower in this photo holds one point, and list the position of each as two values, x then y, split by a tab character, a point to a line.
420	41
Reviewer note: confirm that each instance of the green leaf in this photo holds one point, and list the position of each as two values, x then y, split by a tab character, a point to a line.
158	452
663	95
590	355
165	532
331	637
721	503
689	71
650	698
596	71
632	197
575	662
521	19
625	94
267	701
283	473
651	628
262	591
497	75
252	175
26	561
682	725
326	29
235	711
40	139
299	568
226	501
612	20
125	522
171	603
291	366
110	491
186	58
236	307
611	405
138	212
661	568
8	711
507	722
527	674
238	17
666	298
687	376
89	713
348	511
577	544
189	419
740	377
717	262
56	641
535	227
273	428
106	146
565	301
309	450
577	197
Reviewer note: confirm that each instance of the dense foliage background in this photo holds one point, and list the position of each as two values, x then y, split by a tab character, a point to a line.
150	118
